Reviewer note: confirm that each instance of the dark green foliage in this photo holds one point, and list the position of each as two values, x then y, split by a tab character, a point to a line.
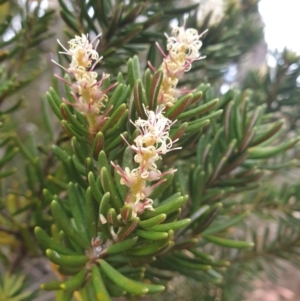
278	87
20	49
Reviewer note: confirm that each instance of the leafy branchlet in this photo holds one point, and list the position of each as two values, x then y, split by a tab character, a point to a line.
119	203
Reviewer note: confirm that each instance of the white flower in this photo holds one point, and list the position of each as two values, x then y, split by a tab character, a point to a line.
154	131
185	44
84	43
82	52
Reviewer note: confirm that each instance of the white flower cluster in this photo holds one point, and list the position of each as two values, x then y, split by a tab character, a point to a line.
82	53
184	46
183	49
89	98
152	142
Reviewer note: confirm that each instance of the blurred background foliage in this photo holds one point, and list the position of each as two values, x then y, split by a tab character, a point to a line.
243	167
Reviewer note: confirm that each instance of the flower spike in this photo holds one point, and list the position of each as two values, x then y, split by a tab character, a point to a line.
152	142
89	98
183	48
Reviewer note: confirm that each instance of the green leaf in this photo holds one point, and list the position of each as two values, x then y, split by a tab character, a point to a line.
228	243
